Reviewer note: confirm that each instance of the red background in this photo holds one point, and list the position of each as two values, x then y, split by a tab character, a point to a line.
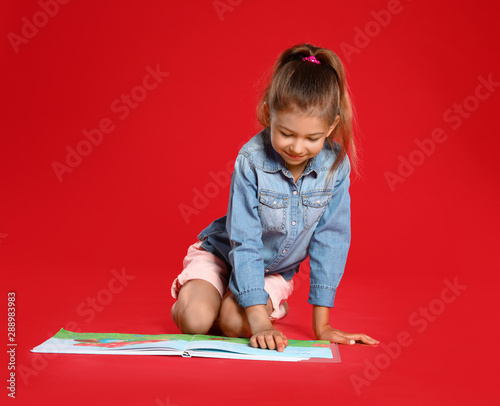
120	208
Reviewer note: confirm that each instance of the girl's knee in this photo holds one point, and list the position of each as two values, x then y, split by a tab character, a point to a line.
193	318
197	307
232	319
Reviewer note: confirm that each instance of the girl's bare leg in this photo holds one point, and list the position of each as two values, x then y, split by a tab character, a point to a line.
233	320
197	307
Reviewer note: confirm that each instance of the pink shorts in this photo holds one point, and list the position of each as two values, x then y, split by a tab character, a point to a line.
201	264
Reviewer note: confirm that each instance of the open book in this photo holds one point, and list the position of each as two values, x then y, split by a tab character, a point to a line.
185	345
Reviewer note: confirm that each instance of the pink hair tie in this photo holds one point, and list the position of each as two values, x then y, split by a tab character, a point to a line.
312	59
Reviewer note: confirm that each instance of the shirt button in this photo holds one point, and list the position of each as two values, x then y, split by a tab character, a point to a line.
293	223
284	251
294	192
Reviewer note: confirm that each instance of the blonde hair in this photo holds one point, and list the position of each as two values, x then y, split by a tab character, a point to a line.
314	89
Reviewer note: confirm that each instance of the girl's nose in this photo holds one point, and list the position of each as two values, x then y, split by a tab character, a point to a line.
297	149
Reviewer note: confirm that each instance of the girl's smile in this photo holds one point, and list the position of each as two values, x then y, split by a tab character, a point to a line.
294	156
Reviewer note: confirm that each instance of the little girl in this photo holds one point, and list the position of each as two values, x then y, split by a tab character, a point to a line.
289	199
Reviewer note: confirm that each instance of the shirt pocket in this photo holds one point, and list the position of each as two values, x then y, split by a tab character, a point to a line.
315	203
272	209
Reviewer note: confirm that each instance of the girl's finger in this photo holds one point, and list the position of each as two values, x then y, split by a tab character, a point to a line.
253	342
343	340
279	343
270	341
363	338
262	341
368	340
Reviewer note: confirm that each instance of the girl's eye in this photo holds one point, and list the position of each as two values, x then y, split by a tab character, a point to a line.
285	135
313	139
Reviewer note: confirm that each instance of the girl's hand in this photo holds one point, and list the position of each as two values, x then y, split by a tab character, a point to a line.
341	337
270	338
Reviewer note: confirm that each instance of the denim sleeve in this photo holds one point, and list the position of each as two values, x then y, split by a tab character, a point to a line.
330	242
245	234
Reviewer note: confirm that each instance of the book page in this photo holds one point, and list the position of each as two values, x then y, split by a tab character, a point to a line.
297	349
114	343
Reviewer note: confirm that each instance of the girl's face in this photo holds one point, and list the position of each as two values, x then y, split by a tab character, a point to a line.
298	138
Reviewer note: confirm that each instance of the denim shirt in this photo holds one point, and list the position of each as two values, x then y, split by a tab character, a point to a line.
273	223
